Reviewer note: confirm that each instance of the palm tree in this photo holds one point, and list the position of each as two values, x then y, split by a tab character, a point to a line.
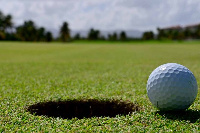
65	32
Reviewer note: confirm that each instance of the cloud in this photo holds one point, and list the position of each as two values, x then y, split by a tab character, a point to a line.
104	14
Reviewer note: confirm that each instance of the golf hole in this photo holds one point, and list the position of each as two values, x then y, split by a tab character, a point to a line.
83	108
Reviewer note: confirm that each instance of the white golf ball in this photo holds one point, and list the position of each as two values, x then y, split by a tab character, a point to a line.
172	87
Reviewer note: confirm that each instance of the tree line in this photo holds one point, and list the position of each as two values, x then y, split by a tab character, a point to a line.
29	31
191	32
180	33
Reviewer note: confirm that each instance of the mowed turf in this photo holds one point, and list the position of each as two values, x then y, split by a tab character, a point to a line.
36	73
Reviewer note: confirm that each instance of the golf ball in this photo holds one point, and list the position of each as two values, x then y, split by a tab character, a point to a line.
172	87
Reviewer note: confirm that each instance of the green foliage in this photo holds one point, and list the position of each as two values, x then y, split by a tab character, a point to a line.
148	35
192	32
93	34
77	36
2	35
48	37
30	32
5	22
40	34
65	32
33	73
197	33
123	36
113	37
5	25
27	31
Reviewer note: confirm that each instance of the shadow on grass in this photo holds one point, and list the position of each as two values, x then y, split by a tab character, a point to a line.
83	108
188	115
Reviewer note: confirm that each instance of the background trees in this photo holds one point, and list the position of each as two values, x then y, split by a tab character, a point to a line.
6	24
29	31
65	32
197	32
113	37
41	34
148	35
123	36
179	33
118	37
77	36
93	34
48	36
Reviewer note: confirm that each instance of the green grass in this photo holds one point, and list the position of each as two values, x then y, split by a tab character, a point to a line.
33	73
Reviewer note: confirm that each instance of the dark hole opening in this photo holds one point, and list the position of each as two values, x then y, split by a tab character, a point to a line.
83	108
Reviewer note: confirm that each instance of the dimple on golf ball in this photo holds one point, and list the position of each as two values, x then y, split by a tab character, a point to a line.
172	87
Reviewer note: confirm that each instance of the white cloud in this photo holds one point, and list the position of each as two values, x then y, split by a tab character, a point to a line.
104	14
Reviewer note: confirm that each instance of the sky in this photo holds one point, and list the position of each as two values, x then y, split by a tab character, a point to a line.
140	15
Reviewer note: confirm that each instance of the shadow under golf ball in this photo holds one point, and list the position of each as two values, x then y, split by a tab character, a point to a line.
83	108
188	115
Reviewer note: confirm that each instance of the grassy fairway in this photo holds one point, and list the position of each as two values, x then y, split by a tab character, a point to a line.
31	73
